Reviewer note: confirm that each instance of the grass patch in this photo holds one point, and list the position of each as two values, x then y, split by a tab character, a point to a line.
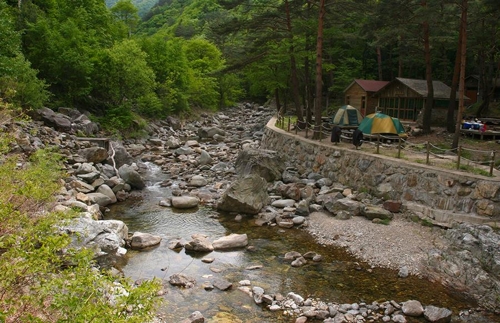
426	223
286	122
474	170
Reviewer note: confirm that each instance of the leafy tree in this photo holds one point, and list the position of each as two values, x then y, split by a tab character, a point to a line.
19	83
170	66
126	12
126	81
204	59
62	39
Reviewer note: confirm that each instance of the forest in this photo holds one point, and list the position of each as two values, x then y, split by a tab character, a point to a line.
128	60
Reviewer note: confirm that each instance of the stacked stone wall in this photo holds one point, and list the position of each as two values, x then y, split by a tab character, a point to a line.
444	195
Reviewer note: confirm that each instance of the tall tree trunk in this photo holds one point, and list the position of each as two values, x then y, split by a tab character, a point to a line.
277	99
379	63
309	82
450	117
293	66
461	86
319	74
429	102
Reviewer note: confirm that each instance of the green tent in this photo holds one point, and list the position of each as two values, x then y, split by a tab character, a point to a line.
379	123
347	115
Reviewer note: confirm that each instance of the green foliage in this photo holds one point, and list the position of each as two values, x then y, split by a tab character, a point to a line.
203	59
42	279
126	81
170	65
126	12
62	40
18	81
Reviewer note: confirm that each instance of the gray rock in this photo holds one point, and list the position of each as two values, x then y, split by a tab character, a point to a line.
131	177
265	163
141	240
199	243
99	198
231	241
412	308
94	154
106	190
182	280
205	158
198	181
372	211
185	202
437	314
195	317
246	195
222	284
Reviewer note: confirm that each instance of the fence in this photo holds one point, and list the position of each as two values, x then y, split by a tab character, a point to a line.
481	162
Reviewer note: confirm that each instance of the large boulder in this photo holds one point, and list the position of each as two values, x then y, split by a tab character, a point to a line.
53	119
131	177
119	155
106	238
247	195
94	154
265	163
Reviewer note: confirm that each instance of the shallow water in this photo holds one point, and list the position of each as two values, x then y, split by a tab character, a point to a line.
337	278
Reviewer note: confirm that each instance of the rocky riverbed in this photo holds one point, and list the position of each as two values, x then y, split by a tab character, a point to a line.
213	161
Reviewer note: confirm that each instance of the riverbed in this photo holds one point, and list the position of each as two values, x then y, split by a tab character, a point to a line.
338	278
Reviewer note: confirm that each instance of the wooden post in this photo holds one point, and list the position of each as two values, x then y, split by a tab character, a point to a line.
428	151
399	147
378	143
288	128
459	152
492	164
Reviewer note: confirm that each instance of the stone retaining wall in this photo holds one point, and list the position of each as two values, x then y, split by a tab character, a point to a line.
442	195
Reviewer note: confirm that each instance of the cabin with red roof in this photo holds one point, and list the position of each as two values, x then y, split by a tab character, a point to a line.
361	95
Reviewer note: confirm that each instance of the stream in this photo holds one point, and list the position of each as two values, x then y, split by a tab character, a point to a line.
337	278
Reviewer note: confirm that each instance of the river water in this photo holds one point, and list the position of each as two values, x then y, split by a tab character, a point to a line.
337	278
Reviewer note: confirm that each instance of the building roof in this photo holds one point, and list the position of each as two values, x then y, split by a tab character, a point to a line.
369	85
441	90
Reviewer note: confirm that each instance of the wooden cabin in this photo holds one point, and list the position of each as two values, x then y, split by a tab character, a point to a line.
474	91
361	95
405	98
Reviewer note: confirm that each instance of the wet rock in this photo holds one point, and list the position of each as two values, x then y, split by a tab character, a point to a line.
140	240
185	202
231	241
222	284
199	243
412	308
131	177
182	280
